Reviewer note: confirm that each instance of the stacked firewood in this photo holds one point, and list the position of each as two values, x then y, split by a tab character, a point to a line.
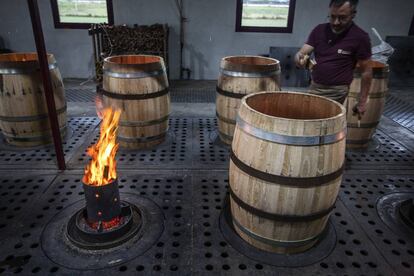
122	40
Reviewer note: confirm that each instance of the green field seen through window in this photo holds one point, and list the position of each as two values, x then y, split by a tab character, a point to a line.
83	11
265	15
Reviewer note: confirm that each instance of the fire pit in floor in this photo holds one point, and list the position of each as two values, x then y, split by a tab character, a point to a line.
105	222
101	231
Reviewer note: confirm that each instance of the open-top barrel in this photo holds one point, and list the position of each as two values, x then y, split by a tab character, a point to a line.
138	85
24	115
239	76
286	168
360	133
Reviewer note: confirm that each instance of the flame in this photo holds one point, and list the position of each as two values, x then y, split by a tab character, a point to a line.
102	168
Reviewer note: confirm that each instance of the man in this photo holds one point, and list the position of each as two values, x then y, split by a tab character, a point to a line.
338	46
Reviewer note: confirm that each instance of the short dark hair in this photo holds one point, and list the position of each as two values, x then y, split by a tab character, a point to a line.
338	3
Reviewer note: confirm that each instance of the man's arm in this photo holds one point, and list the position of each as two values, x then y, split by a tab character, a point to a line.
299	57
366	78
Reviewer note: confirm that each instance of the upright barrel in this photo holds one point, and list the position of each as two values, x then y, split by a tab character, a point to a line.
138	85
360	134
24	117
239	76
286	168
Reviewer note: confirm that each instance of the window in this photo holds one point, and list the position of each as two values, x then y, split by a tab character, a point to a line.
80	14
268	16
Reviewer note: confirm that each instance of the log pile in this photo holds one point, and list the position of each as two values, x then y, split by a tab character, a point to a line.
122	40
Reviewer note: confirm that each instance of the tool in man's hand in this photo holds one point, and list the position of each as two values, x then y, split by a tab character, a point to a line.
356	112
307	62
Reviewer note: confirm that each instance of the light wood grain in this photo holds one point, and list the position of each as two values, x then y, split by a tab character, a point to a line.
22	95
359	137
227	107
138	111
293	114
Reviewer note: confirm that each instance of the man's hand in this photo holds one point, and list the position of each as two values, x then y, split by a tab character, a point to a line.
359	109
366	78
300	59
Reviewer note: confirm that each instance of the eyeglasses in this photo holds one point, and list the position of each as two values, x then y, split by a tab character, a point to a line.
340	18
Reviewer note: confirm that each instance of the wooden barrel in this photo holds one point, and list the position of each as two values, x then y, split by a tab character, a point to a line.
359	134
239	76
138	85
24	117
286	168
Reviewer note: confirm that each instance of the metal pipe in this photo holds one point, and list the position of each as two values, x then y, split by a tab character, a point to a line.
47	84
92	32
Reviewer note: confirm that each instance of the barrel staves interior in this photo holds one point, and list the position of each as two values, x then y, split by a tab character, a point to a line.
239	76
360	133
138	85
24	117
286	168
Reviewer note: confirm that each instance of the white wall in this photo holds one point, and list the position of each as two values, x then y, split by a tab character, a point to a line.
209	32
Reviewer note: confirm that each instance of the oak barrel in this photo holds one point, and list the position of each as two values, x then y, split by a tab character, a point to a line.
239	76
360	134
286	168
24	117
138	85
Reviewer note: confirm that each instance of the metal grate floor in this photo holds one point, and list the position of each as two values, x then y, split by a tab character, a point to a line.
78	129
206	94
187	177
192	242
400	111
83	95
190	144
387	154
193	95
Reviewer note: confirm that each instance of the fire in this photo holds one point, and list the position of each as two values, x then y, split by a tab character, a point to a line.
102	168
105	224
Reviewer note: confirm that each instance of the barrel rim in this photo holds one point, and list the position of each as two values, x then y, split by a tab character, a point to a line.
228	59
31	63
245	98
377	67
109	61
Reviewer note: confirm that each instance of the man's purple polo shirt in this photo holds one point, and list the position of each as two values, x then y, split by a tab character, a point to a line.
336	55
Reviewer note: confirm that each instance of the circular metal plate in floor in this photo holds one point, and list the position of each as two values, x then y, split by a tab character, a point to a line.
317	253
373	145
214	138
60	250
387	208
